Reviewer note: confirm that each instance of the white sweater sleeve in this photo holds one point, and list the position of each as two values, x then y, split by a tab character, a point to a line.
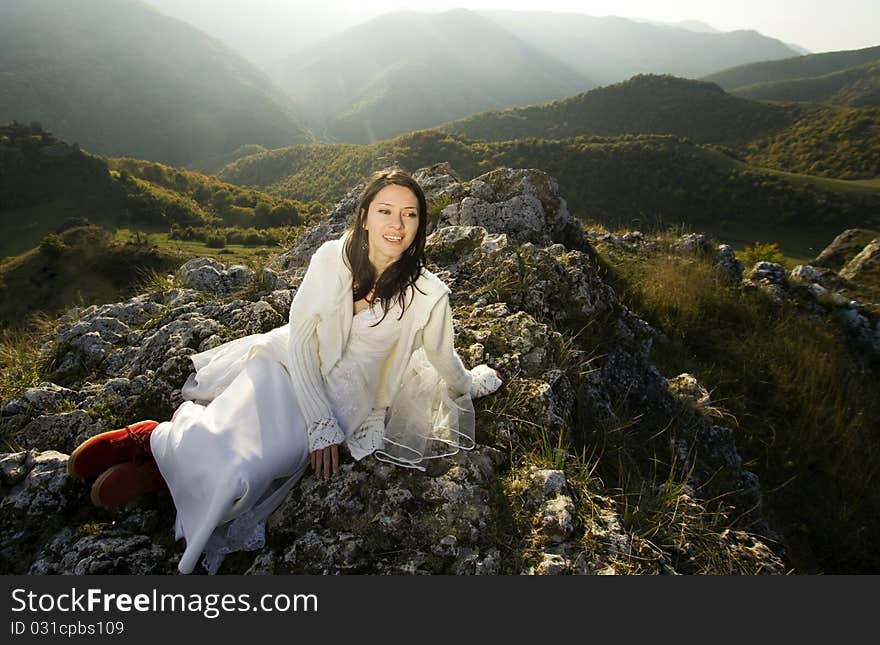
438	340
303	362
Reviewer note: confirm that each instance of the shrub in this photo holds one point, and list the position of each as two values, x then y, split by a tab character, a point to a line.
761	253
52	246
216	240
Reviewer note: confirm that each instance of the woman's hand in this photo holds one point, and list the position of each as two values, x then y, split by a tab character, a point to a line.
325	461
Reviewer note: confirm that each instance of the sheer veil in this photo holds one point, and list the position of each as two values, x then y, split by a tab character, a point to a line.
426	420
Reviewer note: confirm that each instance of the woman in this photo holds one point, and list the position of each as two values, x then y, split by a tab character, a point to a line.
366	361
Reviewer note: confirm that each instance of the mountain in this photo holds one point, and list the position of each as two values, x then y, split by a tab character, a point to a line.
406	71
857	86
691	25
831	141
61	210
644	104
611	49
696	25
263	31
802	51
809	66
120	78
356	87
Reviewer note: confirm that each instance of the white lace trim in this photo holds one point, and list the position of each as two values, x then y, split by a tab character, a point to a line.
485	381
368	437
245	533
323	433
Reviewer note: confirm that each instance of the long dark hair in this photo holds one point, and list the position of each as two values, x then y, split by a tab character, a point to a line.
397	278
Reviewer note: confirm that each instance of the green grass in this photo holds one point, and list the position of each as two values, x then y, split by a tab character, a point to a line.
662	512
851	186
230	254
23	363
872	184
19	362
435	207
797	245
91	265
805	413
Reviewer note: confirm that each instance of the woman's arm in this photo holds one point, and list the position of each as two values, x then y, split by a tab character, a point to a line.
308	385
303	362
438	340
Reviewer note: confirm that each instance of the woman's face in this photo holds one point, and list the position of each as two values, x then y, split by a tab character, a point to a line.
392	221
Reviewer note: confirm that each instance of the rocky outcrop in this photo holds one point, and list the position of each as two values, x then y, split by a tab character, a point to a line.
297	258
527	299
865	265
692	244
844	248
770	278
729	268
208	275
631	241
815	290
523	204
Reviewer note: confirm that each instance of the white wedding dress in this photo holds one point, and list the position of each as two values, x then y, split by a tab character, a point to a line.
232	452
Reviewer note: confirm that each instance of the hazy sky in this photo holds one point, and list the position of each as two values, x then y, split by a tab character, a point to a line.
257	27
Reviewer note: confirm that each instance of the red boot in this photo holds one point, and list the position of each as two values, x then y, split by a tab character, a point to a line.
97	454
126	482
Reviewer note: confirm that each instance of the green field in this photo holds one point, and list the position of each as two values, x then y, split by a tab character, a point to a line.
228	255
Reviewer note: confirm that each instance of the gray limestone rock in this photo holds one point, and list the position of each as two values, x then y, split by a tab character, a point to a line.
769	277
730	269
523	204
41	500
201	274
806	274
209	275
867	261
59	431
692	244
686	388
437	179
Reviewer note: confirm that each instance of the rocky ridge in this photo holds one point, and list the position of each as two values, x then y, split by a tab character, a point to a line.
819	289
527	299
